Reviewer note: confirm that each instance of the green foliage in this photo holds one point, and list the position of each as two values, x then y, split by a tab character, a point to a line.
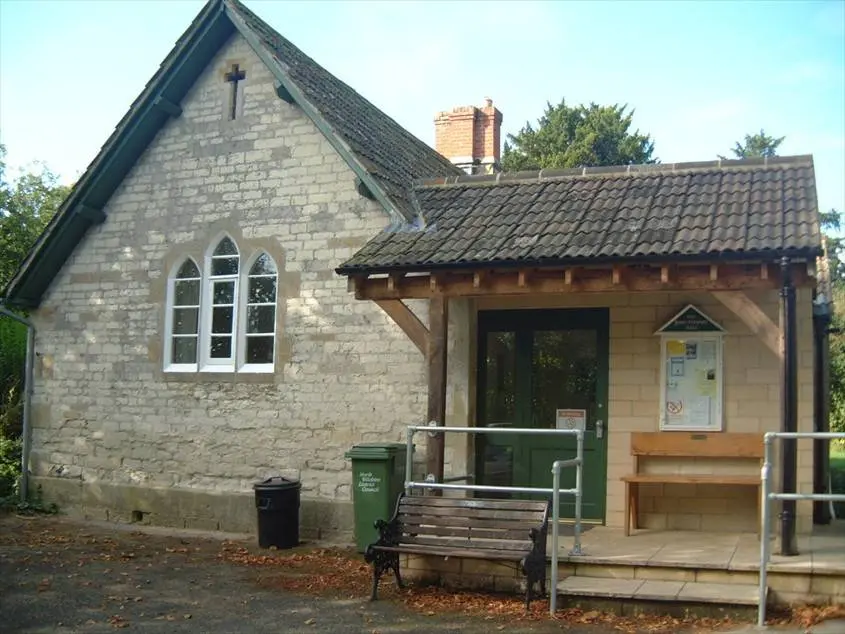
831	223
837	476
837	359
578	136
26	206
12	361
10	466
758	145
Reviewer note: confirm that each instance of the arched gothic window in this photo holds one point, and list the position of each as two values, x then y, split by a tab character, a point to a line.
222	319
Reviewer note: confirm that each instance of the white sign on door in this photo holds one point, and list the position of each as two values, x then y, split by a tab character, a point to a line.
571	419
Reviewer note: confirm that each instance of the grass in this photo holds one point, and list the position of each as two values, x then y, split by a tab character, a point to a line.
837	475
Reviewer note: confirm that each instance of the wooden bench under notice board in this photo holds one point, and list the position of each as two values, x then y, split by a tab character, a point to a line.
688	445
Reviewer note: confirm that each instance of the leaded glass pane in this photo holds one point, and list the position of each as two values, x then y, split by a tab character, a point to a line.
185	321
260	318
263	266
184	350
226	247
187	293
221	347
262	290
224	293
187	270
259	350
221	320
224	266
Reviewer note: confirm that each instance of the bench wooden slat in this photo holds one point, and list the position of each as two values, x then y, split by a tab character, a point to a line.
475	503
455	552
474	522
466	532
477	544
671	478
491	514
691	444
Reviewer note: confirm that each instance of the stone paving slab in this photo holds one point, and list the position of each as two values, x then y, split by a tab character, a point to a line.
647	590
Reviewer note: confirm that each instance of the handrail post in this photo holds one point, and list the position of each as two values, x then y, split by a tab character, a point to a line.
765	486
555	536
409	459
579	474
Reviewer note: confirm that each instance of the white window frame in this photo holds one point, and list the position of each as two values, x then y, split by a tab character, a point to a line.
236	362
169	366
220	364
711	333
243	366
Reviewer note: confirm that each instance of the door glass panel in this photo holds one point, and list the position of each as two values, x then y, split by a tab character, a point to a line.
500	379
564	374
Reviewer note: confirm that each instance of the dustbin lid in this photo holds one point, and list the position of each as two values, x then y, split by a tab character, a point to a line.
277	483
376	450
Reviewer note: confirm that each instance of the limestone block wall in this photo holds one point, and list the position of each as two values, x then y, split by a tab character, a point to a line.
751	404
110	426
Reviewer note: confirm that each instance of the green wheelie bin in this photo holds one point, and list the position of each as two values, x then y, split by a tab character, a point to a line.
378	477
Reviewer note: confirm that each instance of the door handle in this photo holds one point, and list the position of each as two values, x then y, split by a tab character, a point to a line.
599	429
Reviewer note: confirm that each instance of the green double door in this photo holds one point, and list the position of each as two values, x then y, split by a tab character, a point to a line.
544	369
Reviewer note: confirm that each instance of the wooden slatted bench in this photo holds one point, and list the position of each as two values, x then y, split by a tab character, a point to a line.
688	445
499	530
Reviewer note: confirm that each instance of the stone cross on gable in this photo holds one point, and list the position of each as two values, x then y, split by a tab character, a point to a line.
233	77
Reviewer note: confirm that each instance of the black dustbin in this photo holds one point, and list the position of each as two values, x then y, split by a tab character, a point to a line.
277	501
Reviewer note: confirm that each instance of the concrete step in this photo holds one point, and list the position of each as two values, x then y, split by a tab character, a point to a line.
649	590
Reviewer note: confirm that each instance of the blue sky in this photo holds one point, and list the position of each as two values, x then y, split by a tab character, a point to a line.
700	74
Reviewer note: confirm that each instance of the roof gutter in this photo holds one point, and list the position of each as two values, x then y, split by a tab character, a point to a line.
772	256
317	119
26	431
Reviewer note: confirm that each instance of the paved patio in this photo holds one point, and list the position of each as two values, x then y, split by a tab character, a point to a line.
823	552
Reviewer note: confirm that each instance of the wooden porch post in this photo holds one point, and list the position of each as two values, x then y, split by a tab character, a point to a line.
438	323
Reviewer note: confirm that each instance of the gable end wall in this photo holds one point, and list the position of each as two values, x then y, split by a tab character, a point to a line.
113	433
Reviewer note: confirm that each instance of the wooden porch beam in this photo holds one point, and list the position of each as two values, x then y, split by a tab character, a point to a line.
725	277
393	280
405	318
752	316
438	319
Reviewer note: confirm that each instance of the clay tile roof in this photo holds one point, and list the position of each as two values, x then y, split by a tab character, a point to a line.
394	156
726	209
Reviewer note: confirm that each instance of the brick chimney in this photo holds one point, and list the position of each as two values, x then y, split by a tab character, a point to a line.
470	137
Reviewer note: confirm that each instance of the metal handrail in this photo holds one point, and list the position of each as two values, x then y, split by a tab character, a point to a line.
768	495
577	462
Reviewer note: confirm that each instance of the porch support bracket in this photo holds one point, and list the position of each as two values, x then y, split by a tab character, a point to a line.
410	324
753	316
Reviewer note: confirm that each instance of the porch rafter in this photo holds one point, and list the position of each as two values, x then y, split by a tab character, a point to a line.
642	278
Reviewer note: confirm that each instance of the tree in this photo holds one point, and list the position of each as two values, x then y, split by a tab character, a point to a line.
578	136
831	223
26	206
758	145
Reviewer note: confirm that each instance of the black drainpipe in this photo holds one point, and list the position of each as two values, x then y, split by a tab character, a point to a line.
789	411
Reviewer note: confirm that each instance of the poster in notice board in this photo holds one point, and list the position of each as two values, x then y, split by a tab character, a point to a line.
693	374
